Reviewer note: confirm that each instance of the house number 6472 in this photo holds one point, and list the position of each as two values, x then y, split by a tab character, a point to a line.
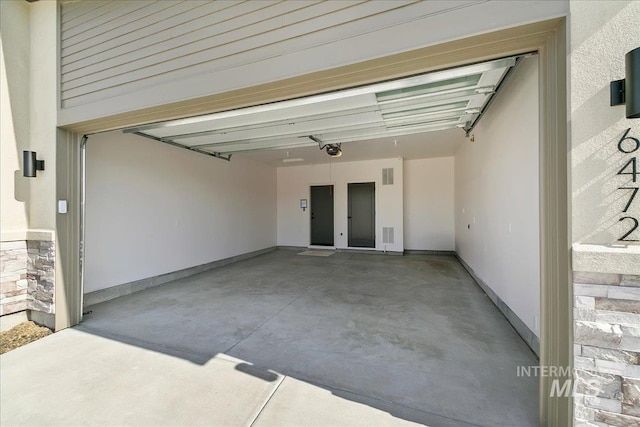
629	145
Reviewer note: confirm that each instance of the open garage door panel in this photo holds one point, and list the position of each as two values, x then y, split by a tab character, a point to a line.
453	98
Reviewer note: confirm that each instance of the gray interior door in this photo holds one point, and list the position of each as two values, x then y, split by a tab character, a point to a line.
362	215
322	215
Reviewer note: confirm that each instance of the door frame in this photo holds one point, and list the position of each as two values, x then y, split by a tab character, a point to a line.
334	215
308	222
375	218
548	38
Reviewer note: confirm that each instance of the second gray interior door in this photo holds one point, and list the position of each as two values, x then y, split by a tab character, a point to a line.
362	215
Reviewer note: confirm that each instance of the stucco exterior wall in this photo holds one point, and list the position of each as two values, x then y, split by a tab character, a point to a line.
15	68
28	93
606	287
28	114
601	34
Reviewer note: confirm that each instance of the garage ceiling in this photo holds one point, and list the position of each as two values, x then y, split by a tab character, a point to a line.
442	143
436	101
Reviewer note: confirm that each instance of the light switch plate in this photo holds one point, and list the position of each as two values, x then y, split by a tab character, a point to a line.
62	206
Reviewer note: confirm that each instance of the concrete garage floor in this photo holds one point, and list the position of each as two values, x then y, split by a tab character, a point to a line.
283	339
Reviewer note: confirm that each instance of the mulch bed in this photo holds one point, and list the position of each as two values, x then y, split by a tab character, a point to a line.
20	335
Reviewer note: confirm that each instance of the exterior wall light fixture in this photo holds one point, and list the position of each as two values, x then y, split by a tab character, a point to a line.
30	165
627	90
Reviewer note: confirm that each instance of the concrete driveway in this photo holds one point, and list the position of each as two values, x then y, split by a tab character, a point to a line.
283	340
74	378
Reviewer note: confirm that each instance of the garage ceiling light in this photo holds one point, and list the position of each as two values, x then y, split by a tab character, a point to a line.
439	100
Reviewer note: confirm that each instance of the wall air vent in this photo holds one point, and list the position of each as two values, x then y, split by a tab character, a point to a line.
387	176
387	234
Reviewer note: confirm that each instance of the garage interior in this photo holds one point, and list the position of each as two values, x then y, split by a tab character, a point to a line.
433	336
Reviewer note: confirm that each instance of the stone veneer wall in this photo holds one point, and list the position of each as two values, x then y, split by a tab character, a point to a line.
607	349
13	277
27	278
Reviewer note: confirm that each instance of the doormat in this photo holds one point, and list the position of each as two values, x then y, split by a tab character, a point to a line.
317	253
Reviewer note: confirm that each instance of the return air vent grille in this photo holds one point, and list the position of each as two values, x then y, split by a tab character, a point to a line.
387	234
387	176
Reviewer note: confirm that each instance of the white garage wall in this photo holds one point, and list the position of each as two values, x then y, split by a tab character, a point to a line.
496	196
127	55
429	204
154	209
294	183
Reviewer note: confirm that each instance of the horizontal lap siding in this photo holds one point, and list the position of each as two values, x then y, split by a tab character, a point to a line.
110	48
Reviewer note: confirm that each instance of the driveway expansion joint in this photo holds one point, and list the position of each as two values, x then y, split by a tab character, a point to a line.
266	402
